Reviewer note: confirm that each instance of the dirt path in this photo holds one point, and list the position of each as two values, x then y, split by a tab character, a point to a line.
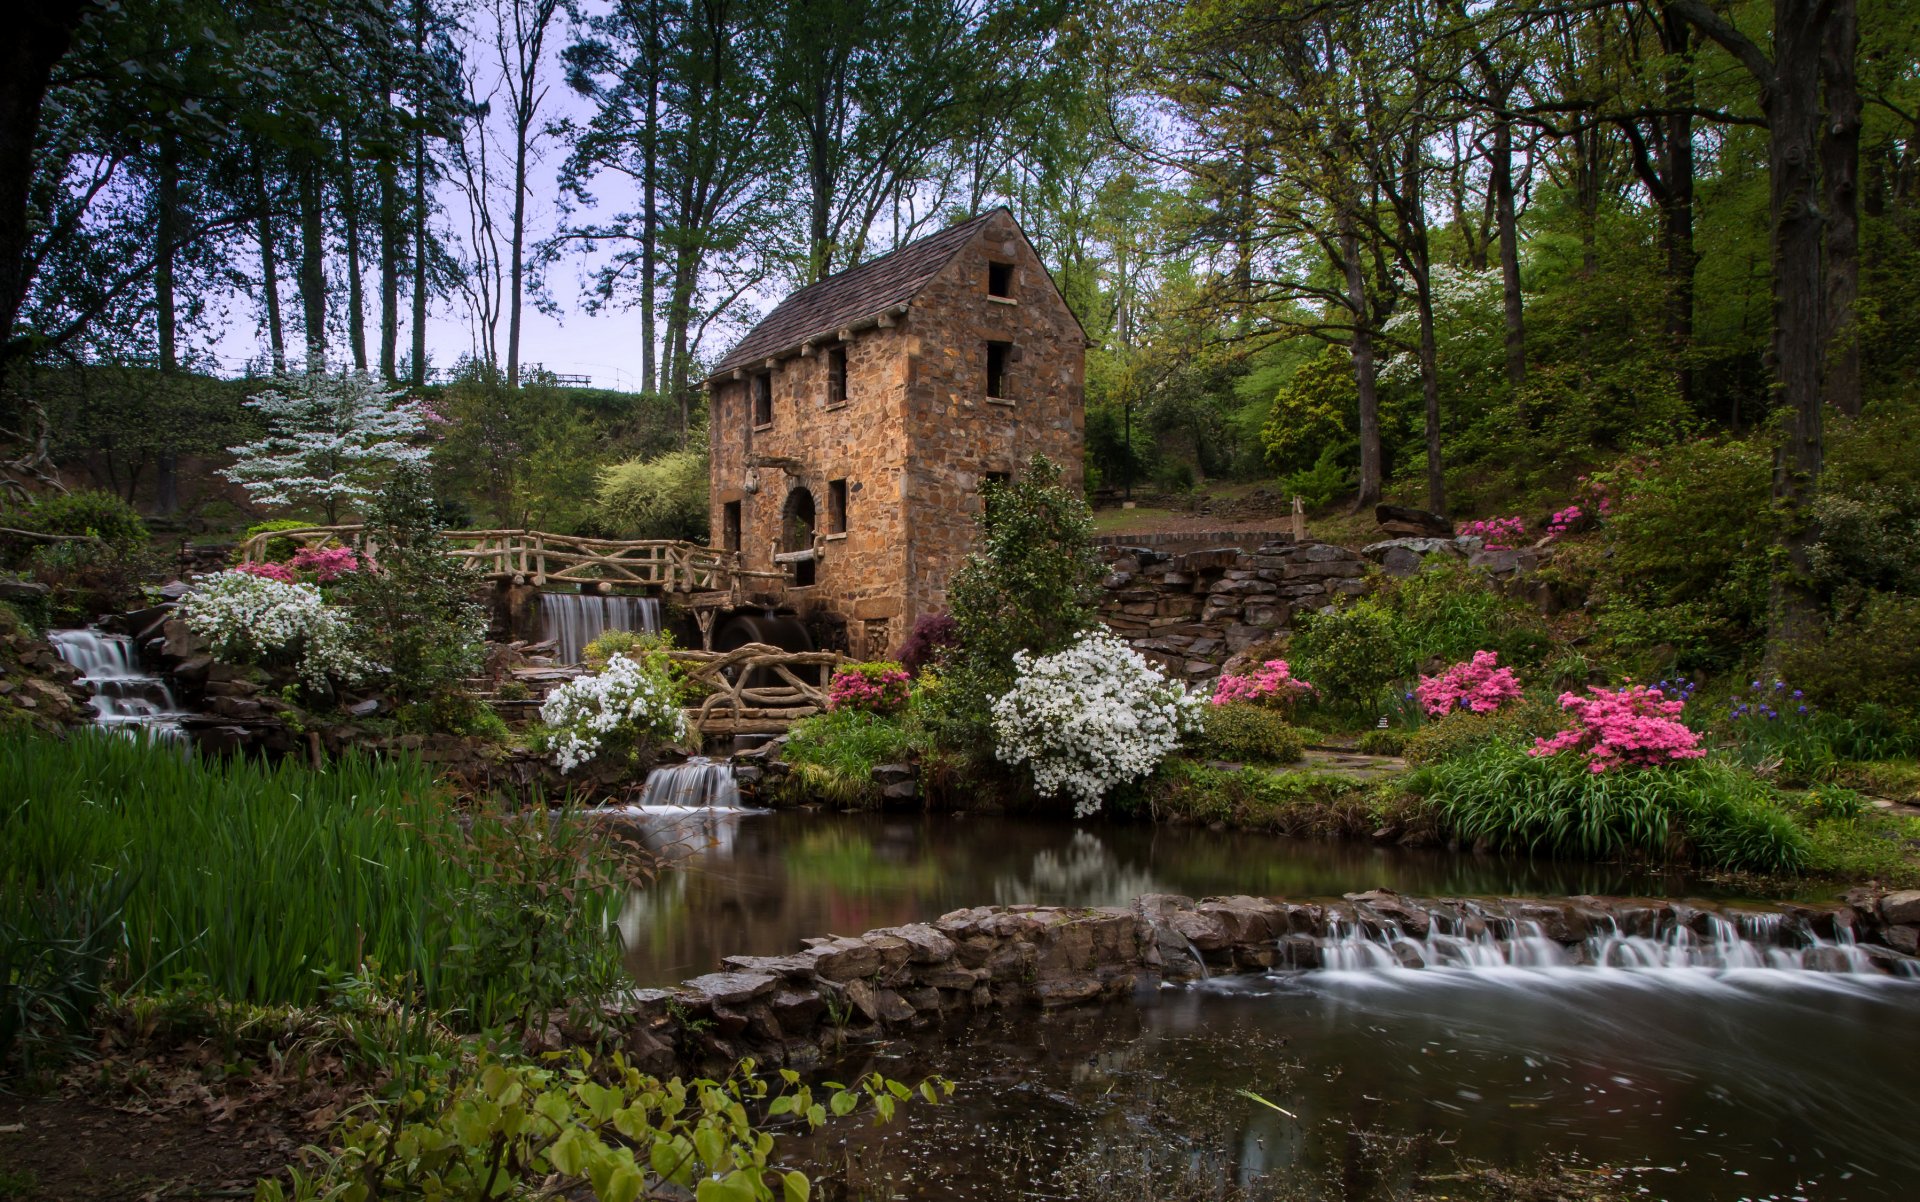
55	1150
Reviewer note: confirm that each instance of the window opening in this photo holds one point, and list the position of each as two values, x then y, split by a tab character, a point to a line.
998	353
730	526
1000	280
837	376
836	507
763	398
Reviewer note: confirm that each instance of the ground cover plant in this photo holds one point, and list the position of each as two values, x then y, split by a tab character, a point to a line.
833	755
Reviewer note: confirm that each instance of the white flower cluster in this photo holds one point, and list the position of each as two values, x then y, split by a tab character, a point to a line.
625	697
1091	717
253	619
328	436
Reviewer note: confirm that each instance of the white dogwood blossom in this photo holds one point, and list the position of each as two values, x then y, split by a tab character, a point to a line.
625	697
1090	718
253	619
328	439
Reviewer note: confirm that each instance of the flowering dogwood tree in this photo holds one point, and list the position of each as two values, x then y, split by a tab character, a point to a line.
1090	718
329	439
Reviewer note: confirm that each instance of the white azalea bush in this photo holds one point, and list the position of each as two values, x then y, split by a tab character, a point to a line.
1091	718
607	712
253	619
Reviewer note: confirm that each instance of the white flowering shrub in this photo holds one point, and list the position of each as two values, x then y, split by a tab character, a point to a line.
594	715
329	439
1090	718
254	619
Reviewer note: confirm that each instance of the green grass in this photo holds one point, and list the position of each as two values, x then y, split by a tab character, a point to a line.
1710	812
274	884
1256	799
833	755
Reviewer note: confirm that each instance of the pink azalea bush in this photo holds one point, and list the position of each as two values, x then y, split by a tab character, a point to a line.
1271	684
1499	534
1564	520
1480	685
268	571
1631	727
876	688
327	564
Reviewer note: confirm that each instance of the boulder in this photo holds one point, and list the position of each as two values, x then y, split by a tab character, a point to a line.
1399	519
1902	908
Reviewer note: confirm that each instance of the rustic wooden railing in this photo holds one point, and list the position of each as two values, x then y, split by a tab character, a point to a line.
541	558
756	689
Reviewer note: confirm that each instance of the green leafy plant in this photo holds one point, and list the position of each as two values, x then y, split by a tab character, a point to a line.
661	497
1251	733
276	550
833	755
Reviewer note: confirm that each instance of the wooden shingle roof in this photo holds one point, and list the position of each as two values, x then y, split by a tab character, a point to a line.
820	310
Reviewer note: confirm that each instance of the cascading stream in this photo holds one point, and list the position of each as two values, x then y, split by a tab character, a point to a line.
697	784
1483	942
126	695
573	620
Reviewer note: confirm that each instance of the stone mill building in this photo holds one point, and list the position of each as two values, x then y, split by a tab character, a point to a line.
853	427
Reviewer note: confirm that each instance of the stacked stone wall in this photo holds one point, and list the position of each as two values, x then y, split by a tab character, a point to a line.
1193	611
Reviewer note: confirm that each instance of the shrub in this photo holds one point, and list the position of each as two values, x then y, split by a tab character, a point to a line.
932	637
89	513
267	570
414	610
833	755
1271	684
1285	803
1712	813
89	578
878	688
1029	585
327	564
1251	733
639	645
1478	686
1871	657
1350	654
250	619
1629	727
277	549
662	497
1498	534
1463	731
1089	718
1447	613
612	713
1382	742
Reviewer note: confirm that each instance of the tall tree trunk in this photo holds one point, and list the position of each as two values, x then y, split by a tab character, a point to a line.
350	216
269	265
1677	199
1506	224
1430	384
392	240
313	255
166	235
417	371
650	182
38	36
1365	380
1840	173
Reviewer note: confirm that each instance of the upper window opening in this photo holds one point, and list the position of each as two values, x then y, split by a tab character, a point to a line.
998	353
1000	279
837	375
730	526
836	507
763	398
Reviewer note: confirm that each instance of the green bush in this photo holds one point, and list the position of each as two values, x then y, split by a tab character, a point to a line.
1350	655
1708	811
662	497
88	512
833	755
278	550
1248	733
1448	612
1286	803
636	645
1383	742
1463	732
1870	657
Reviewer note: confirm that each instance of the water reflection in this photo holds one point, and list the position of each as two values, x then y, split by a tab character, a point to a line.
1756	1084
755	883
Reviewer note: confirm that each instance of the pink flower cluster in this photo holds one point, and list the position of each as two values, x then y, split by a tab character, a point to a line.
1499	534
1599	494
1630	727
1479	685
327	564
269	571
876	688
1271	684
1564	520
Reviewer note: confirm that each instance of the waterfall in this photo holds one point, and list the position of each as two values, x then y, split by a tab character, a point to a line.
1478	941
573	620
127	696
698	784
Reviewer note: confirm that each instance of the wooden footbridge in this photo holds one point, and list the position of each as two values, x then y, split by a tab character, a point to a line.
541	559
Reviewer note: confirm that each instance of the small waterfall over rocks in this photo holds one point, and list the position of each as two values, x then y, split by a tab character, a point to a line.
127	696
1467	938
572	620
697	784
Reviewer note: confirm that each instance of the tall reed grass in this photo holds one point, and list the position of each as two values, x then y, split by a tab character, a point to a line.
274	883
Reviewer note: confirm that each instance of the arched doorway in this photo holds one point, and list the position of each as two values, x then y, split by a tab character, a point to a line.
796	533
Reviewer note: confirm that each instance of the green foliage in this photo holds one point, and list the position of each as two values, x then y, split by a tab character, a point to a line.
1446	613
1286	803
86	512
1250	733
415	614
1382	742
274	883
1312	420
662	497
1328	478
1709	812
1689	545
509	1129
1029	585
278	550
55	951
1873	658
639	646
1350	654
1463	732
833	755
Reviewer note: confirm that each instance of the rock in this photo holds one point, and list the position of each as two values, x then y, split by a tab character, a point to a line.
927	945
23	590
1398	519
173	590
1400	563
843	959
1418	546
365	709
1902	939
797	1010
1902	908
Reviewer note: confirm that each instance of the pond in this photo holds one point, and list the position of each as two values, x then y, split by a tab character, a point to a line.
1677	1084
757	883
